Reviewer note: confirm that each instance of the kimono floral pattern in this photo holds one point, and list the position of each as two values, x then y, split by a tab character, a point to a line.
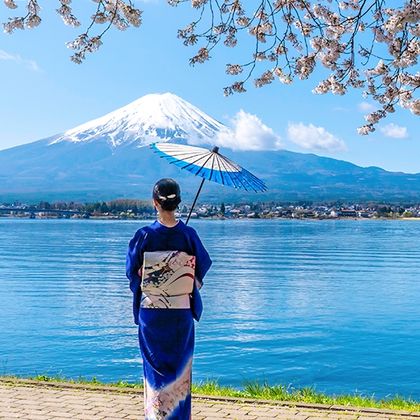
160	404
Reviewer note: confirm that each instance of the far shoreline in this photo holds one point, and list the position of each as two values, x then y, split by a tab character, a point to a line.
225	219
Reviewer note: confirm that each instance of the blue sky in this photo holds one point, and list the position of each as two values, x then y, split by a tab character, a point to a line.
44	93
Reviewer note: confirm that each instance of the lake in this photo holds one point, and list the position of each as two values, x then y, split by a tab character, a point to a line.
330	304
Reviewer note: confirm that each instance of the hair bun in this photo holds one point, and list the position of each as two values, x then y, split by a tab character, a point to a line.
167	192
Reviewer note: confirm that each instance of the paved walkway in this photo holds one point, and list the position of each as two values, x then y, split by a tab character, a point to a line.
25	399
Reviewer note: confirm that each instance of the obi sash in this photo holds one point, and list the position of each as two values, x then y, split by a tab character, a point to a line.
167	279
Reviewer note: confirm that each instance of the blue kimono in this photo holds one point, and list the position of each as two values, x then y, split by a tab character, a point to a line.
166	336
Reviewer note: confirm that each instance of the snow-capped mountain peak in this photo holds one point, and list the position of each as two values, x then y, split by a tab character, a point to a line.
153	117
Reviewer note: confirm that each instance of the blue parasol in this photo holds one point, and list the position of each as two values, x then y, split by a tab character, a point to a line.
210	165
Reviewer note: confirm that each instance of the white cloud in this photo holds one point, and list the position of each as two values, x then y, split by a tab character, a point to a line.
366	107
31	64
310	137
248	132
395	131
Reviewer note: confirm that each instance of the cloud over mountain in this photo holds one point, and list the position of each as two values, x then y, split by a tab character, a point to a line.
248	132
311	137
395	131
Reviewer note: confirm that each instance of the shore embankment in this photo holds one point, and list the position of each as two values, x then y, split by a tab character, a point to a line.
48	398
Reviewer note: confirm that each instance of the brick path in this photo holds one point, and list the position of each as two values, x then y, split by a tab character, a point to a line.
24	399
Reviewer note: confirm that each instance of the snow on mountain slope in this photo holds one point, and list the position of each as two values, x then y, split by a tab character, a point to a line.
154	117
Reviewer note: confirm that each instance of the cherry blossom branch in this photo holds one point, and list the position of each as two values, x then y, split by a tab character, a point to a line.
361	44
118	13
327	34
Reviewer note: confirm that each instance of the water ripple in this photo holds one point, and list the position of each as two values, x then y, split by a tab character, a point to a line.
327	303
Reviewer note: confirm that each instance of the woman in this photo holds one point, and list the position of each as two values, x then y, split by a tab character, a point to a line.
166	264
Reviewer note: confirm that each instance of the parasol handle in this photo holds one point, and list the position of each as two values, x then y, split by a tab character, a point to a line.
195	200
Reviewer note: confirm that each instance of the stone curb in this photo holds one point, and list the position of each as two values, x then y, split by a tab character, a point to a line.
235	400
70	385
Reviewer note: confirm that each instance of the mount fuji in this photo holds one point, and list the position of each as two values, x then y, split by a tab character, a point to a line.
109	157
154	117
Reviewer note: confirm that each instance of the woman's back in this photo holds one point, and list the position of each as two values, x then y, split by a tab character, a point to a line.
165	315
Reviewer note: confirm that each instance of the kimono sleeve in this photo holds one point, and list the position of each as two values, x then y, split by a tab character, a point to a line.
134	261
202	258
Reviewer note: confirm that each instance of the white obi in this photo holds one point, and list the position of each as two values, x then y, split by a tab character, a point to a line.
167	279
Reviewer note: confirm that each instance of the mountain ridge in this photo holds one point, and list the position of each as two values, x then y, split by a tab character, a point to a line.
105	158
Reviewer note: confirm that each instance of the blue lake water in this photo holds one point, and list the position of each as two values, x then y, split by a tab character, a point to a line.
333	304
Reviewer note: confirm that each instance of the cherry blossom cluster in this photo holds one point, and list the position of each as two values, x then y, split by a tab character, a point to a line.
66	14
364	44
30	20
117	13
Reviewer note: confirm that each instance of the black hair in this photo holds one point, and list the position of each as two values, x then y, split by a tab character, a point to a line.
167	193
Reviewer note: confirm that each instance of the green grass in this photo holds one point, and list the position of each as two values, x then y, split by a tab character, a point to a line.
264	391
255	390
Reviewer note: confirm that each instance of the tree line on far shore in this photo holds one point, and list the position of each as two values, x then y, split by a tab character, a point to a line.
113	206
144	208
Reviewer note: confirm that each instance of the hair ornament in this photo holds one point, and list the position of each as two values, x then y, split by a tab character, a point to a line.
168	197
